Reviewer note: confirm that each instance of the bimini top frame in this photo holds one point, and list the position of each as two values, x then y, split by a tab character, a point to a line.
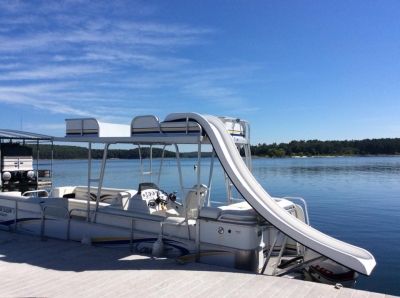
149	130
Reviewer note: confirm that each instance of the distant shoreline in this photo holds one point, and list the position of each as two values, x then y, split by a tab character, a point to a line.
329	156
255	156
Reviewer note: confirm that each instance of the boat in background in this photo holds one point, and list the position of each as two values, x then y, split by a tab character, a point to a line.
16	163
252	231
19	170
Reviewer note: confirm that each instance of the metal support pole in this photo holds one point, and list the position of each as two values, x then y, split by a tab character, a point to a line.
89	179
280	254
270	252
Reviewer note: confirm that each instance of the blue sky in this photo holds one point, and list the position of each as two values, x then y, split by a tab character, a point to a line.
296	70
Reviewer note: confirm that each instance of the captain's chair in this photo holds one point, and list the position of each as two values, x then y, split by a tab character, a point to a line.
191	201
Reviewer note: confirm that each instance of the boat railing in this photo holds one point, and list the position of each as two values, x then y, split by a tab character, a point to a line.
132	220
53	211
42	213
216	202
133	230
16	209
237	200
36	193
307	219
232	201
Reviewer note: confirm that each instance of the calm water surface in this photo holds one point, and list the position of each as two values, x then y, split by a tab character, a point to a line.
356	200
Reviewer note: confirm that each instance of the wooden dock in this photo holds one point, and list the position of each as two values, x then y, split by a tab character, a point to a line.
30	266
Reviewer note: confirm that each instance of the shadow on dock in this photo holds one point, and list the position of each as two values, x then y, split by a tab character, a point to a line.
70	256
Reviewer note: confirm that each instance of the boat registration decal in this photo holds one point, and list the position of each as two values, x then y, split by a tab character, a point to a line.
6	211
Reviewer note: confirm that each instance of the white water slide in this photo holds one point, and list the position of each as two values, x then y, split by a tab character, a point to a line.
346	254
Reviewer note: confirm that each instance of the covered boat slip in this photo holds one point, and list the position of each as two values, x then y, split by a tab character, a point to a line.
254	232
18	165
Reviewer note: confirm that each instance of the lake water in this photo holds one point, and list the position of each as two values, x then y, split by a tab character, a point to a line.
354	199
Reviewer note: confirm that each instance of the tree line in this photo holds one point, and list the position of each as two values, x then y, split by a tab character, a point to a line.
294	148
76	152
329	148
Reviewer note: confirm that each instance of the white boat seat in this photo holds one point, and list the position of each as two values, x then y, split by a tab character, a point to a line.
192	202
177	221
240	213
210	212
144	200
122	199
139	204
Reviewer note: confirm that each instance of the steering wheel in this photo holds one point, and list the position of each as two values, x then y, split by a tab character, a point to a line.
162	196
172	196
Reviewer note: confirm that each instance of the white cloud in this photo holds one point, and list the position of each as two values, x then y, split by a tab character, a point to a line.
71	58
52	72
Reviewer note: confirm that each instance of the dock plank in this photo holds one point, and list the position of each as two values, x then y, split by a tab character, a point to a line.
32	267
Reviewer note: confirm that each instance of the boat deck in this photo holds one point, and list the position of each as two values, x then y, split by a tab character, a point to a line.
34	267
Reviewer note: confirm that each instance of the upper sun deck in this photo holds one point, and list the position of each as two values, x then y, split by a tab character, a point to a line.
149	129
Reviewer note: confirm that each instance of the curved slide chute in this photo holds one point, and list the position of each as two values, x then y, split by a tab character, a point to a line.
346	254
